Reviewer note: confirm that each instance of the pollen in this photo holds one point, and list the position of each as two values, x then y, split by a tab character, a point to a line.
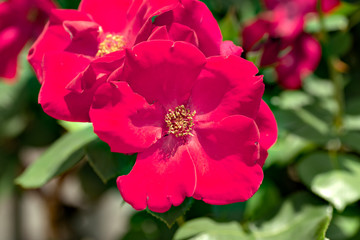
111	43
180	121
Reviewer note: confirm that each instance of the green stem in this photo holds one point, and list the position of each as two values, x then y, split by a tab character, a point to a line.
335	75
338	82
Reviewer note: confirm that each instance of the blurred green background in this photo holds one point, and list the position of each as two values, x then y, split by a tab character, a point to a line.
311	187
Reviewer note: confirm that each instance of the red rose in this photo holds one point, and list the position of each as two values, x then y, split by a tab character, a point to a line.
198	124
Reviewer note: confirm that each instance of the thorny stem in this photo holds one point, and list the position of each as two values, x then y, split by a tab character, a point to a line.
338	82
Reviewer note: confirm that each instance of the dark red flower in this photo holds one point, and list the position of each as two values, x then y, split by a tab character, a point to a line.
20	21
198	124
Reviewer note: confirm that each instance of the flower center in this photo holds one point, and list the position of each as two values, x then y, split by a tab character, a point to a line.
180	121
111	43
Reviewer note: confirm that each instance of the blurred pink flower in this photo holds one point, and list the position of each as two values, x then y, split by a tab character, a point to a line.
279	34
198	124
305	6
20	21
79	49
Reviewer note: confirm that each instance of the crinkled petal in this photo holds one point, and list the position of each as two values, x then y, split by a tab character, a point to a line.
124	119
97	72
198	17
59	70
229	48
125	16
159	33
53	38
84	37
225	157
162	176
227	86
179	32
163	71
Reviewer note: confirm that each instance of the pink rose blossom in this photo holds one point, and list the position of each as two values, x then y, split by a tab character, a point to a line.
79	49
198	124
279	34
20	21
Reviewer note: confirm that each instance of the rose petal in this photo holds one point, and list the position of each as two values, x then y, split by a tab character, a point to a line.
163	176
227	86
124	16
59	70
179	32
253	32
109	14
225	157
84	37
96	72
12	41
266	123
124	119
53	38
229	48
163	71
159	33
196	15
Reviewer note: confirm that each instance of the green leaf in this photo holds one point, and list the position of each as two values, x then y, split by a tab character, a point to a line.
318	87
59	157
292	100
352	140
286	149
351	123
268	195
107	164
300	217
205	228
170	217
344	225
74	126
229	212
307	123
230	26
337	184
332	23
340	44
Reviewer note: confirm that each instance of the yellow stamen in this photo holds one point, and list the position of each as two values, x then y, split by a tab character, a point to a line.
111	43
180	121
